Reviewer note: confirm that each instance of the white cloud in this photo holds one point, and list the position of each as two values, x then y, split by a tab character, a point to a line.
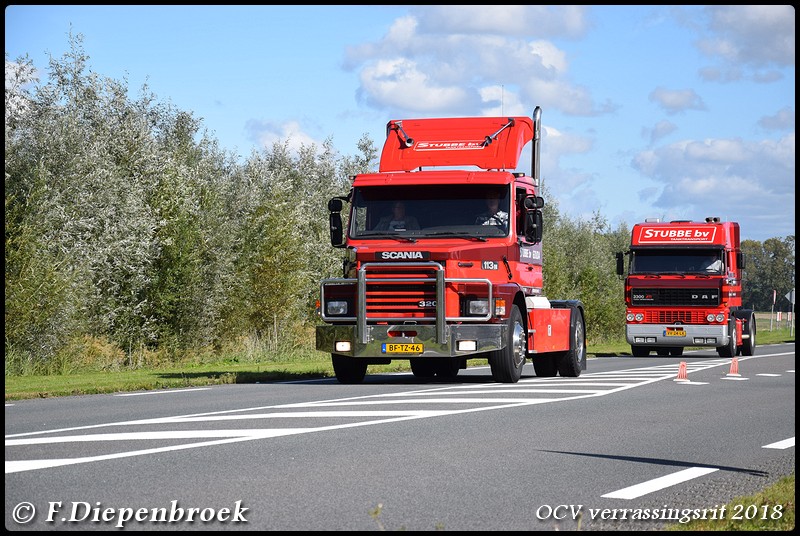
783	119
447	58
675	101
727	178
266	134
661	130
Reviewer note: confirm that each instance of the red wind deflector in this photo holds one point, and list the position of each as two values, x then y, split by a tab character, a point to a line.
486	142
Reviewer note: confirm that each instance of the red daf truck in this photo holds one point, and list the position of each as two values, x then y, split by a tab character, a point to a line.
443	258
684	288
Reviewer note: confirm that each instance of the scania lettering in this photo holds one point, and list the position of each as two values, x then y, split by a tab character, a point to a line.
683	288
459	283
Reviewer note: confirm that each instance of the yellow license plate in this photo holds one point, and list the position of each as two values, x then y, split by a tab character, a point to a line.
402	348
675	332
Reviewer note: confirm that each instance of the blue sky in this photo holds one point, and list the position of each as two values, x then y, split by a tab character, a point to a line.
677	112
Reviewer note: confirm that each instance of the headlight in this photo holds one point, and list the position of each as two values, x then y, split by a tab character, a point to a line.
629	317
720	317
710	317
639	317
336	308
478	307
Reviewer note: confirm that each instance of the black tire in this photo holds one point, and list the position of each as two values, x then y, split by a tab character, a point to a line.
348	369
662	352
506	364
572	362
640	351
749	344
730	349
676	351
545	365
423	368
448	368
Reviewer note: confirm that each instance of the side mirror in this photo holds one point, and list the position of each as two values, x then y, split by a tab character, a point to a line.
533	225
337	229
620	263
534	202
335	205
740	260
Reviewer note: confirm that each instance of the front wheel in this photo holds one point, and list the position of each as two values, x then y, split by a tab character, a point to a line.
730	349
423	368
447	367
506	364
348	369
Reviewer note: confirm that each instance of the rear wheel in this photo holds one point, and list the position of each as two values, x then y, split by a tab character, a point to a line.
676	352
348	369
662	351
640	351
749	344
571	362
506	364
545	365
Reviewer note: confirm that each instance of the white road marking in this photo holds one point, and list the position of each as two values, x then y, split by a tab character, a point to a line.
785	444
164	391
656	484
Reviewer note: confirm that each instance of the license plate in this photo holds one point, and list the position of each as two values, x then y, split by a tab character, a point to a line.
402	348
675	332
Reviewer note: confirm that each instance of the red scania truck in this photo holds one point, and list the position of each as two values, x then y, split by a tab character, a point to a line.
684	288
456	272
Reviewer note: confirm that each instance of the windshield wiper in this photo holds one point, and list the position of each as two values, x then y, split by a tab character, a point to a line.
456	235
381	234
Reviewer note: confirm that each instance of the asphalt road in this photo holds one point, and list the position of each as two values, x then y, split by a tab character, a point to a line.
623	447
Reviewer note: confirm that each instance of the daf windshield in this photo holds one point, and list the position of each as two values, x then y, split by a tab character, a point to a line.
673	261
410	212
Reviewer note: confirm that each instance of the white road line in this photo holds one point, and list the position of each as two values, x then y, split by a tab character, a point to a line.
769	375
656	484
785	444
164	392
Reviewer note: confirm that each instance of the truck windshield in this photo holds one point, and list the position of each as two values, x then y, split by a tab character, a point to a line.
666	261
473	211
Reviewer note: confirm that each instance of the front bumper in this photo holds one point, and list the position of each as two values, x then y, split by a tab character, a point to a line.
487	337
656	335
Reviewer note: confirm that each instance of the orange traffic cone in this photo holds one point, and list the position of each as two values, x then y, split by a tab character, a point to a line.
682	376
734	367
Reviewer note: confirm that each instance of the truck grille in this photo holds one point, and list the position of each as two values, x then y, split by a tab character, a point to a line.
675	317
408	292
680	297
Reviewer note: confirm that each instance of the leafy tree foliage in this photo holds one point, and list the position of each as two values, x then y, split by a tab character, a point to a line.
769	272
